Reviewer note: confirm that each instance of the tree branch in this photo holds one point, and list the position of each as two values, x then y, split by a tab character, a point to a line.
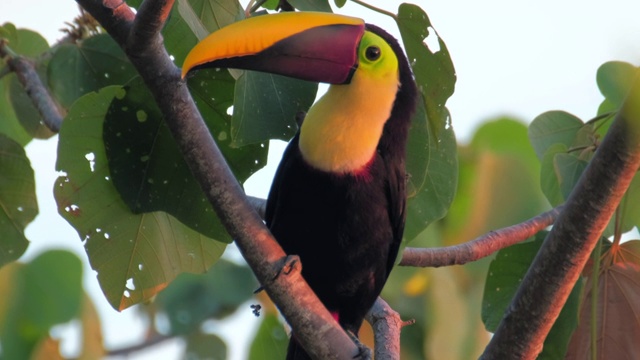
386	324
553	273
33	86
480	247
315	328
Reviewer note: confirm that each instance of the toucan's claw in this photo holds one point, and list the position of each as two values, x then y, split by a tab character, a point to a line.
364	353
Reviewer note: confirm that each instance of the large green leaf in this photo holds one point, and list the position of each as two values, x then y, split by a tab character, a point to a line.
77	69
25	43
266	105
43	293
568	168
505	275
148	169
191	299
432	165
135	255
553	127
549	182
433	68
18	204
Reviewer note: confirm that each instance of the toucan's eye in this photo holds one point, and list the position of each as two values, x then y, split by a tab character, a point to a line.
372	53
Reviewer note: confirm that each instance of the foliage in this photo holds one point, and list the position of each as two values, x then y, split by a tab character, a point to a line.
152	237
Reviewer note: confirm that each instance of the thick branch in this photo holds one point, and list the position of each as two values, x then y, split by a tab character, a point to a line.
314	326
480	247
565	251
33	86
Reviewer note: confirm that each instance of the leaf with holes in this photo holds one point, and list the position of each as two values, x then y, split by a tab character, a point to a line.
266	106
135	255
146	165
77	69
505	274
18	204
616	313
433	68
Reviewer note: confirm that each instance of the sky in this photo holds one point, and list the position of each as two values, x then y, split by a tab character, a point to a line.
515	58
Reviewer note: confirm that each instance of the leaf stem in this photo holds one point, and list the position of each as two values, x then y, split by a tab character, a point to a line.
594	299
376	9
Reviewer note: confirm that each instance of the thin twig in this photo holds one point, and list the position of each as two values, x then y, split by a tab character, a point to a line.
480	247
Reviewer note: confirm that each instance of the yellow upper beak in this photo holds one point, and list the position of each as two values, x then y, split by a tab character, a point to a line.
307	45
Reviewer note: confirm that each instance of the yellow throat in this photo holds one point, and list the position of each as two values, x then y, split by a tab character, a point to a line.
341	131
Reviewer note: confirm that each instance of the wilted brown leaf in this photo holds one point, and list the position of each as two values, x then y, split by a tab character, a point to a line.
618	311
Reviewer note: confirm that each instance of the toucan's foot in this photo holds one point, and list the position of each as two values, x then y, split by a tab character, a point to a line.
288	265
364	353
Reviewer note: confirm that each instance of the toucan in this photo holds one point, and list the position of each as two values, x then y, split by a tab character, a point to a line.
338	197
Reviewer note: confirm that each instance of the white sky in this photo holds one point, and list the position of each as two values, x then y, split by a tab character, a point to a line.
518	58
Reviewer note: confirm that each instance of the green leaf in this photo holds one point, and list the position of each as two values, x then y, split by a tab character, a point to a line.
18	204
46	292
148	169
191	299
24	42
311	5
339	3
433	68
205	346
551	128
20	119
569	168
271	340
549	181
505	275
266	106
498	182
10	125
432	166
25	110
614	80
135	255
271	4
96	62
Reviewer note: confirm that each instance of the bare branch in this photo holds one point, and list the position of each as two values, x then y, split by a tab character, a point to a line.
315	328
386	324
480	247
33	86
553	273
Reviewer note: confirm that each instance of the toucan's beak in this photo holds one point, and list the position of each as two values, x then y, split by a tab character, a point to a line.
312	46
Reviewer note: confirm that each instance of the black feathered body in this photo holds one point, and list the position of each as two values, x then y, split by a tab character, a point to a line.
346	228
